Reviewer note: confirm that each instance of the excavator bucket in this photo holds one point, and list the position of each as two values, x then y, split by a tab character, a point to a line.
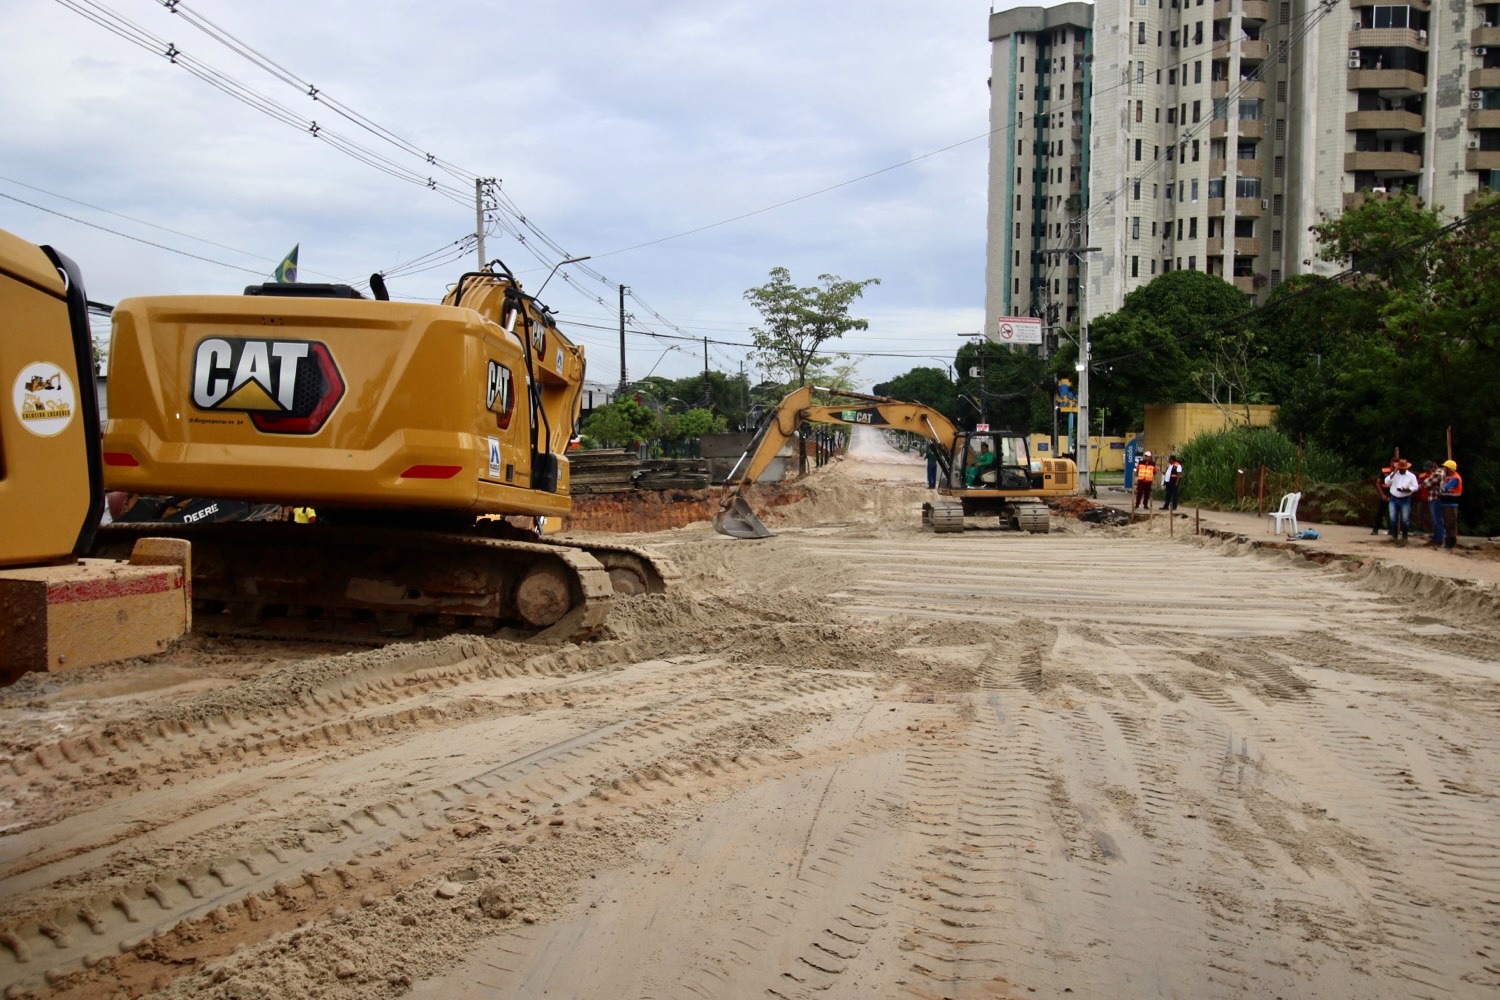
737	520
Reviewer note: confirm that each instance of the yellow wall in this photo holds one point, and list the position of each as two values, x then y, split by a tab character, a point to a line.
1106	454
1170	427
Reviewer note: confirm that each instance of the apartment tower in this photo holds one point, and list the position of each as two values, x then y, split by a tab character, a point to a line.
1210	134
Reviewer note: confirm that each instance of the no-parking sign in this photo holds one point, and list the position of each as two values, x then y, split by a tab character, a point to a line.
1016	330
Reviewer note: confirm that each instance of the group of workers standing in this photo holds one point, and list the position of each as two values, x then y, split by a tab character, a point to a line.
1437	490
1147	473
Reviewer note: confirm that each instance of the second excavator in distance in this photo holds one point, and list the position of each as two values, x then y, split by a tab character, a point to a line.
431	439
983	473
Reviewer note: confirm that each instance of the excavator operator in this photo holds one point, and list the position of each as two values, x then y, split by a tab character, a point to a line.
983	462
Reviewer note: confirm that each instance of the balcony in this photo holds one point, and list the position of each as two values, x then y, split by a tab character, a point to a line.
1216	206
1482	78
1354	198
1482	159
1484	118
1383	121
1249	128
1485	36
1246	284
1398	81
1250	168
1249	207
1473	198
1384	163
1247	89
1388	38
1255	50
1255	10
1240	246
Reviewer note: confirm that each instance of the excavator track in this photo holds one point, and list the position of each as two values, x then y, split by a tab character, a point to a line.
375	584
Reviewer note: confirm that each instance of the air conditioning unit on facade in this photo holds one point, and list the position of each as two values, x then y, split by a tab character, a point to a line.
1476	105
1422	35
1354	53
1476	95
1489	24
1265	203
1481	51
1377	190
1473	143
1354	64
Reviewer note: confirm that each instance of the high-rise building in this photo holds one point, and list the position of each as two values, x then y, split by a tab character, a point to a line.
1210	134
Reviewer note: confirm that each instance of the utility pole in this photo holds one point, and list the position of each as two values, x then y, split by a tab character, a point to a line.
622	340
480	183
1080	254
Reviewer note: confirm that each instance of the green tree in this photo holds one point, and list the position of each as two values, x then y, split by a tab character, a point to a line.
1160	346
690	425
799	320
929	386
621	423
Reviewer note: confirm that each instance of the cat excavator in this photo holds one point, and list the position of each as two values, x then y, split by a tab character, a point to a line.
58	610
983	472
430	439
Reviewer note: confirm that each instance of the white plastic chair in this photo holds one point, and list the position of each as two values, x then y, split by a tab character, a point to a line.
1285	514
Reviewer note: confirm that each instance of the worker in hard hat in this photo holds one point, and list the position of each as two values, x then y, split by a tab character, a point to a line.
1452	490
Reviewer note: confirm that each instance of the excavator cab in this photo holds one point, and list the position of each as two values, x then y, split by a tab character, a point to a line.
994	460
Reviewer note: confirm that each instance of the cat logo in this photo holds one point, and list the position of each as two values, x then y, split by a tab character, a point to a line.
499	394
287	386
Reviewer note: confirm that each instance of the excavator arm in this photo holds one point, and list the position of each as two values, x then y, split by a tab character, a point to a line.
735	518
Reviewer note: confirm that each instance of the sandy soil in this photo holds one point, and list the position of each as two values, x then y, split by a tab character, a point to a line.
853	760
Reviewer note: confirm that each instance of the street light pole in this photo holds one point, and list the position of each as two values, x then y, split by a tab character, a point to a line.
1080	254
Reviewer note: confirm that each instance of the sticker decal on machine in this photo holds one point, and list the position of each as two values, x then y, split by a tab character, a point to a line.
494	458
499	393
44	399
287	386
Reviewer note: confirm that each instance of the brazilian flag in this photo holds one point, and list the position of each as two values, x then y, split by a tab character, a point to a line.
286	271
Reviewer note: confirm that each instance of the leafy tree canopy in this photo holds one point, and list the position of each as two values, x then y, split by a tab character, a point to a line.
799	320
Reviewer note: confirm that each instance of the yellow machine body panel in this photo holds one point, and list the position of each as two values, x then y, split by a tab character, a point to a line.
50	494
339	402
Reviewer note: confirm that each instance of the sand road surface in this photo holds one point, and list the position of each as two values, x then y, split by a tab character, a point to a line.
854	760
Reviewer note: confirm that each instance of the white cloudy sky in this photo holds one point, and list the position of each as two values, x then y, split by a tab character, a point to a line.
610	124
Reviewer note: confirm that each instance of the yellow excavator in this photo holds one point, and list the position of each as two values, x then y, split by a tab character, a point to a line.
51	492
983	472
59	611
430	439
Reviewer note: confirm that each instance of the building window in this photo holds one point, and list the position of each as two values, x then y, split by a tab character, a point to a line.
1280	129
1197	108
1198	34
1179	229
1250	109
1286	13
1247	187
1171	116
1215	188
1135	227
1193	226
1276	205
1135	267
1192	263
1153	266
1138	150
1140	30
1195	150
1280	91
1171	78
1140	109
1198	70
1275	276
1194	188
1275	241
1278	166
1136	194
1140	72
